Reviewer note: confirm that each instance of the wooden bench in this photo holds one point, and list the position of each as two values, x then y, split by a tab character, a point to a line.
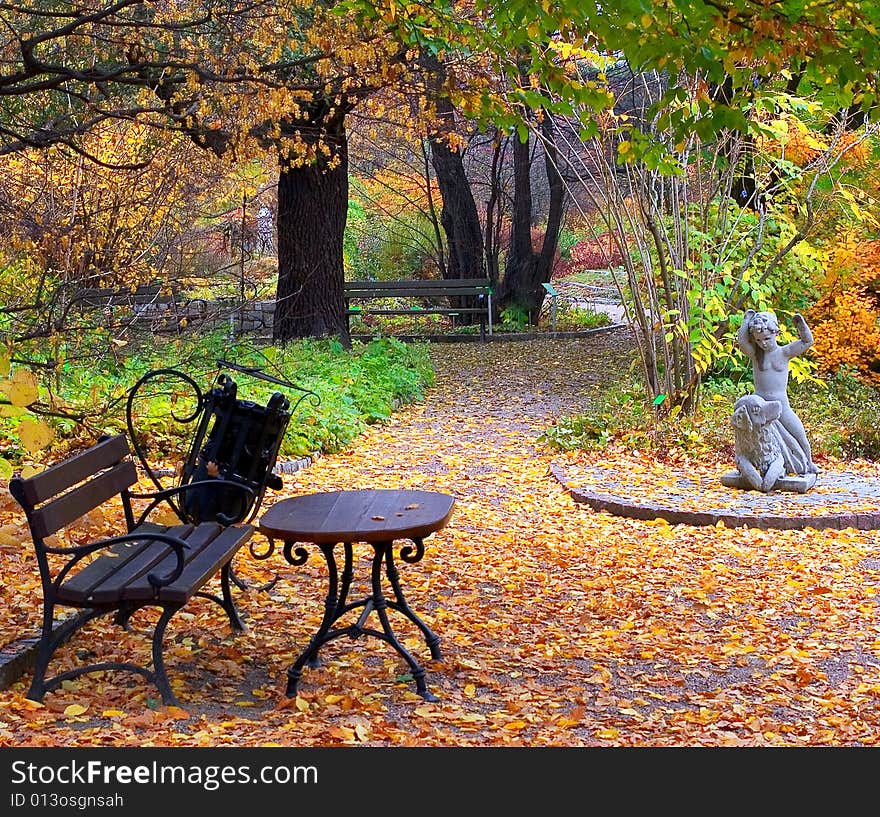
148	565
143	295
461	296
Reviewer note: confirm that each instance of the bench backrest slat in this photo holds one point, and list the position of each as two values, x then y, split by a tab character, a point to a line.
411	293
416	289
68	507
58	478
416	284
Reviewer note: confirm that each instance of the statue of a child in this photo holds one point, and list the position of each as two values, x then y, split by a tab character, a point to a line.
757	339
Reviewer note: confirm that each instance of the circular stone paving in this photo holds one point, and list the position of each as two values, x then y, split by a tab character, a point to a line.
693	495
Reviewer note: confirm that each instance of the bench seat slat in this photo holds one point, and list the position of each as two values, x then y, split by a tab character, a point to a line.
102	583
209	547
205	564
138	588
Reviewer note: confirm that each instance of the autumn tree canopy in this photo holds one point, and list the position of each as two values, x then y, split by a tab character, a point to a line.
283	77
238	79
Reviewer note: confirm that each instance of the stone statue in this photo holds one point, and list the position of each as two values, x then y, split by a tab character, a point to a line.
769	437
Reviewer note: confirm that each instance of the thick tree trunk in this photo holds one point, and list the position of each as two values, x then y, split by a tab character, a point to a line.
459	217
465	254
312	209
526	269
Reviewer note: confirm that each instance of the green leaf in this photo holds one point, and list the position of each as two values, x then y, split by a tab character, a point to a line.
659	399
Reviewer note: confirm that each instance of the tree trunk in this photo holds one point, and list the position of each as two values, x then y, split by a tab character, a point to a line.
465	256
526	269
312	209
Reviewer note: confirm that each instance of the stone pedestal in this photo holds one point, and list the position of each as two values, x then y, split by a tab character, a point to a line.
796	484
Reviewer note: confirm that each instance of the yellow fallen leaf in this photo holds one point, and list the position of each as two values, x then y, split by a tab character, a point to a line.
75	709
302	704
362	732
607	733
9	537
34	434
112	713
343	733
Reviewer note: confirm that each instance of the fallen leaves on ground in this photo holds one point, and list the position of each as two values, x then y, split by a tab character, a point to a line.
559	626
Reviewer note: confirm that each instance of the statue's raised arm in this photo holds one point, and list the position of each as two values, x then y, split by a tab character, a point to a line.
804	341
743	335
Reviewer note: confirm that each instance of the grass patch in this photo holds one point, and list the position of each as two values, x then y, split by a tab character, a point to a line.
842	420
354	388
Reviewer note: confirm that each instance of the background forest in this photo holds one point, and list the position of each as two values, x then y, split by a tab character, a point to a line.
692	159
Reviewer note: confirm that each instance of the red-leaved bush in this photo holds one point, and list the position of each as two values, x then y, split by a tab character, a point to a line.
597	253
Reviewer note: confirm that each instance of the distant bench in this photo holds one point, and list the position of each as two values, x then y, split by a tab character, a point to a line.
461	296
160	305
98	298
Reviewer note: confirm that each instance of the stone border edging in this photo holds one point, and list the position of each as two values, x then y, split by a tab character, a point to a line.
649	510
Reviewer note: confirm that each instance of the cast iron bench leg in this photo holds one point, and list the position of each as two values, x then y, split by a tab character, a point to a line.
160	676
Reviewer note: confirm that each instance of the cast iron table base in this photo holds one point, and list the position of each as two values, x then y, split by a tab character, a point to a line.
378	517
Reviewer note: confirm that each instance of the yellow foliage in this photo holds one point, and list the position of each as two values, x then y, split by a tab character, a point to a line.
799	144
105	224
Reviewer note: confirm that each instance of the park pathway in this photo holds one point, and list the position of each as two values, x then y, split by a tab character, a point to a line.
559	626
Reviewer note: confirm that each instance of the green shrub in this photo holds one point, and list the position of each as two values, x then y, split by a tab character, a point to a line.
353	388
570	318
842	419
514	319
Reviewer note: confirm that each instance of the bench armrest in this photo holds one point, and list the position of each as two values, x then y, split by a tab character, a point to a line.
177	544
166	494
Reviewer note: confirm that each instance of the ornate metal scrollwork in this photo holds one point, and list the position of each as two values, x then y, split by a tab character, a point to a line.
134	439
270	549
301	557
412	555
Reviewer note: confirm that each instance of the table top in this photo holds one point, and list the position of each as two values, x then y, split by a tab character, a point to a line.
333	517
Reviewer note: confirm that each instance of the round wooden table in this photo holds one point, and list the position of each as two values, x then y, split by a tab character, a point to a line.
377	517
